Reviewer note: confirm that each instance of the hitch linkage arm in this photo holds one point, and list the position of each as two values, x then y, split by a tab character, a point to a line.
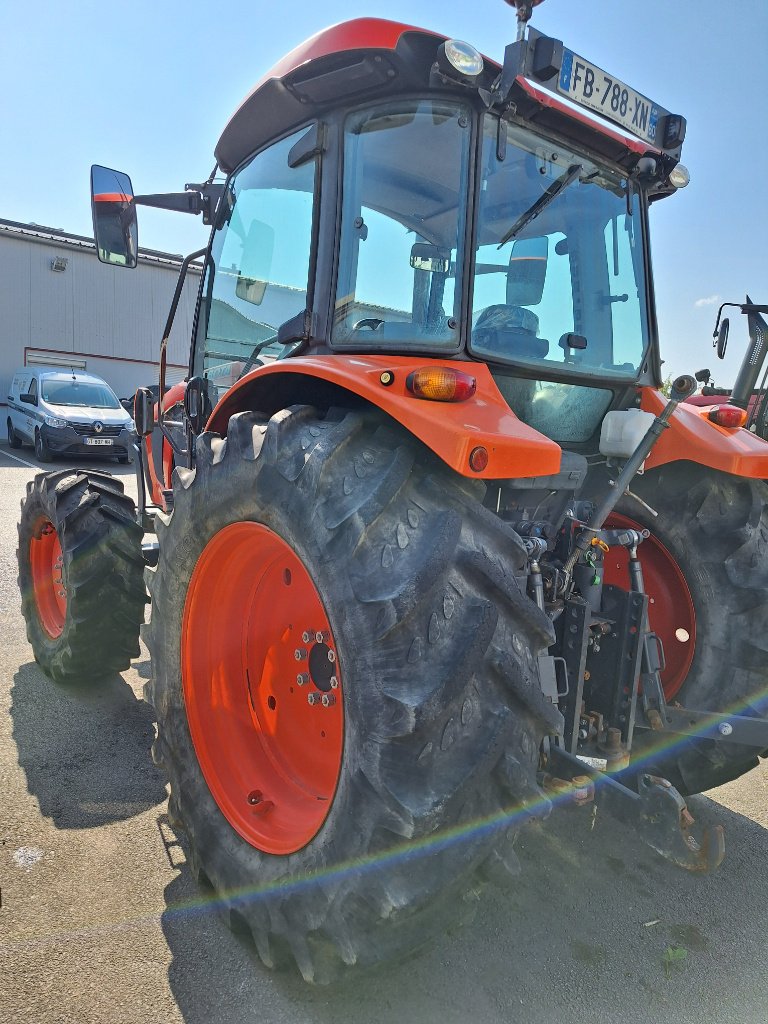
656	810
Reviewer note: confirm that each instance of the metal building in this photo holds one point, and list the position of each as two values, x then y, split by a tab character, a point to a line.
60	307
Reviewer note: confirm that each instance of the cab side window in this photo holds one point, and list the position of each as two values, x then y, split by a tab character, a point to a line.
32	392
257	277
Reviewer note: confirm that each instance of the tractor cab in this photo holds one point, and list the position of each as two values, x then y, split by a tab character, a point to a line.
391	191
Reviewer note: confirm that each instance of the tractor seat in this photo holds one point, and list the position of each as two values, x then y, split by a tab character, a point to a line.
509	330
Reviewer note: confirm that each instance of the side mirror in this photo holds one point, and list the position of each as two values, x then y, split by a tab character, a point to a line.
114	217
527	271
722	338
28	399
144	412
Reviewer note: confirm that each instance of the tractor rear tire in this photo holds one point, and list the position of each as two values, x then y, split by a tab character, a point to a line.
81	574
425	745
714	527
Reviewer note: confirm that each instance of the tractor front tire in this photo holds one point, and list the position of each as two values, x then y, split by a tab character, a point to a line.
713	533
81	574
344	671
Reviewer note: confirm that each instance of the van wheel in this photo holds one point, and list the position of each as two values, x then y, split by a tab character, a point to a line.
14	441
42	451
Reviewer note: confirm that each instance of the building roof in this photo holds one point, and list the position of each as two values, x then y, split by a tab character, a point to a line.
56	236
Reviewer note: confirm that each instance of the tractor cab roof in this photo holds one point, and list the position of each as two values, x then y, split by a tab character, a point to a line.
373	58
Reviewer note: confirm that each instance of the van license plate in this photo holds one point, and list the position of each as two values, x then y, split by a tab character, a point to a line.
97	440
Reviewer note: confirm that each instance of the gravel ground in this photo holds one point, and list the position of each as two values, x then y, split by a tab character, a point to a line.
100	920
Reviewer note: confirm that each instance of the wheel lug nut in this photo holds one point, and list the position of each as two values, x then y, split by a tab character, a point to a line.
334	683
331	656
306	636
328	700
300	653
302	678
322	636
313	698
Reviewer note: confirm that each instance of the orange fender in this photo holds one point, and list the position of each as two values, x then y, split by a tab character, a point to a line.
173	396
693	437
450	429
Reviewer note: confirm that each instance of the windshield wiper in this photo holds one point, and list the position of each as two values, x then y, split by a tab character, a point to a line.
554	190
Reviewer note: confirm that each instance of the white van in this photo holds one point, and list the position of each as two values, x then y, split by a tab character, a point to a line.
66	412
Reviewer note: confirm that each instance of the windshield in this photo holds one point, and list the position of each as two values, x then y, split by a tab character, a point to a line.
559	281
402	223
76	393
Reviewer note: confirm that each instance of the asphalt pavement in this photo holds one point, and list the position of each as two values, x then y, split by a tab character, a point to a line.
100	920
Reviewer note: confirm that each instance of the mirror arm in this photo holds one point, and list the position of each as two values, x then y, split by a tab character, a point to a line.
744	307
182	202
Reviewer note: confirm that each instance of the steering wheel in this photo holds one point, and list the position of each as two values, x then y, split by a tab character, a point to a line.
371	322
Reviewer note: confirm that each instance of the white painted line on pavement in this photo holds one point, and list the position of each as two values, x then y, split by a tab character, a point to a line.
17	459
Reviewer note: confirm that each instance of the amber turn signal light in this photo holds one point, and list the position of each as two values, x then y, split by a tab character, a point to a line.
728	416
441	384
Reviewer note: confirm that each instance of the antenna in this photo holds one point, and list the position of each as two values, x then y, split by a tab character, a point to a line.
524	11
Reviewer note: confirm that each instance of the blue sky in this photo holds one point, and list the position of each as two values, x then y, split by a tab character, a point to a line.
147	86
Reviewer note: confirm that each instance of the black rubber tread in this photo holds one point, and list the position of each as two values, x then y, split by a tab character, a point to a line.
103	571
716	526
42	452
14	441
437	645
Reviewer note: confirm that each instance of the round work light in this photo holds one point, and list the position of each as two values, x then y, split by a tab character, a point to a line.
679	176
462	58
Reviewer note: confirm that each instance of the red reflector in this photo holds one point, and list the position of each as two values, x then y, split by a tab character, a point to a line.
478	459
728	416
441	384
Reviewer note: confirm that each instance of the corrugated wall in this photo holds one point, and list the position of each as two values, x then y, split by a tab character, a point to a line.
113	315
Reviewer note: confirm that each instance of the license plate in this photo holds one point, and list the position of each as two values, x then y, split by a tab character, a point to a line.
97	440
589	86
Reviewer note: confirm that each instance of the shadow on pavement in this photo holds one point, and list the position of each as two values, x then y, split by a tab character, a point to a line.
583	933
85	750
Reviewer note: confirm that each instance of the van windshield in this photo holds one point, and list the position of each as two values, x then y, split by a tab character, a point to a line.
74	393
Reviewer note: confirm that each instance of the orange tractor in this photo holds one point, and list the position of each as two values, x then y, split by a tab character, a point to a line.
433	553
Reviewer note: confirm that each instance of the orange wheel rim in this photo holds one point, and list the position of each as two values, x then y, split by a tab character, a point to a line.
670	610
47	565
262	687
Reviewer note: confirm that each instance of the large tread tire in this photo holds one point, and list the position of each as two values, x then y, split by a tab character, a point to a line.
102	573
716	527
438	648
